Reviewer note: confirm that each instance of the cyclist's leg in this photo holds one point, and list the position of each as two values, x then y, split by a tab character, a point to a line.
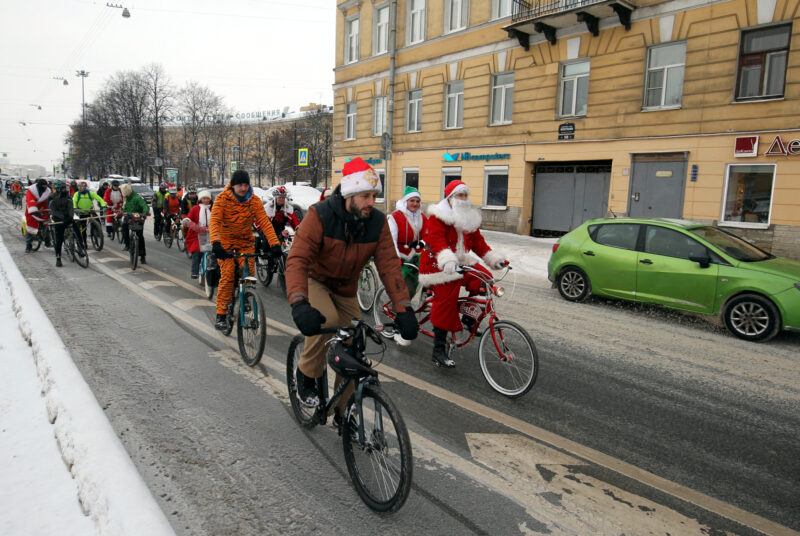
126	239
142	251
444	317
58	239
227	269
312	360
347	309
196	257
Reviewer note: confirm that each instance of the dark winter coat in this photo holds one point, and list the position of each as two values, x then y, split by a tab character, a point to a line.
61	208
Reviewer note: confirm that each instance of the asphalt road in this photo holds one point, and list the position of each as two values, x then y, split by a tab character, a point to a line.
642	421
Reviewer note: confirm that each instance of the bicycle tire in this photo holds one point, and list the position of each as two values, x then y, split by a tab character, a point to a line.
252	336
134	251
520	374
379	313
36	243
167	239
81	256
69	245
305	416
229	316
282	274
180	240
96	234
263	272
367	288
381	469
209	289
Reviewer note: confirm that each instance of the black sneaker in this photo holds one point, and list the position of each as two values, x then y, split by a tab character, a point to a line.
28	248
221	323
307	389
142	261
58	262
441	359
194	276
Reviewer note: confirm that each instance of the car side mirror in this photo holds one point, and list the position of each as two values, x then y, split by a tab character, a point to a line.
701	258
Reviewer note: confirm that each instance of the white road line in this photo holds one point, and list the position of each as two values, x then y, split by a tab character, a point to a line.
189	303
152	284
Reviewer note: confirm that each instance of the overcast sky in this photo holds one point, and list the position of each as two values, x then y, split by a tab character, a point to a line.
257	54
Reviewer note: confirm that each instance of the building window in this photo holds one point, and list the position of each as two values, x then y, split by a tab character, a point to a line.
411	178
454	104
502	98
350	121
379	116
495	186
574	89
414	111
415	26
748	193
382	175
664	85
456	15
450	174
380	34
351	40
762	62
501	8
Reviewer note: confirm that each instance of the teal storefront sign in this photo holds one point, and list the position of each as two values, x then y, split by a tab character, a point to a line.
460	157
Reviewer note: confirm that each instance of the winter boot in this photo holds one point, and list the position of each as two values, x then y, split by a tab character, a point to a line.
221	322
28	248
307	389
58	262
440	357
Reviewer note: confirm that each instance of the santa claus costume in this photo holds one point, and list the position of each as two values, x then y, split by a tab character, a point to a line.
407	227
36	199
453	238
113	198
281	215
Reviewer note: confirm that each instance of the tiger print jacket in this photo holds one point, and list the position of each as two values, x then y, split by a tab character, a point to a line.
232	221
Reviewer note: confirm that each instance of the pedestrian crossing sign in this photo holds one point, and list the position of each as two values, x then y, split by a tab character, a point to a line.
302	157
233	167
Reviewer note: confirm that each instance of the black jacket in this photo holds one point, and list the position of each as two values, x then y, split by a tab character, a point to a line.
61	208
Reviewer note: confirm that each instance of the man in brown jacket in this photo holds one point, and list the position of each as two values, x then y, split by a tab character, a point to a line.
336	239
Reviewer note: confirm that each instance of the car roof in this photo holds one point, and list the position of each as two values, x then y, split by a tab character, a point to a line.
684	224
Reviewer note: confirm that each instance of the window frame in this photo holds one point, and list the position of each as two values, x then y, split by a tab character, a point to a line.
463	16
380	198
417	103
665	69
459	96
348	37
636	245
406	171
495	10
376	42
574	78
743	224
493	170
493	87
687	237
449	171
741	57
347	119
380	98
409	24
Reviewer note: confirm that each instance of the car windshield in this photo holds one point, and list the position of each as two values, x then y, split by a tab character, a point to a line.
139	188
734	246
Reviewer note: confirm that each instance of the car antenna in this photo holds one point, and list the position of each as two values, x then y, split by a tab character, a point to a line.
613	214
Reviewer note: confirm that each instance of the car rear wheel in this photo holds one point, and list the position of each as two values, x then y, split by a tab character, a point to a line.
573	284
752	317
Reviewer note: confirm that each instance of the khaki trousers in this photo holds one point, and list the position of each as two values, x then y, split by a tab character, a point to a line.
338	311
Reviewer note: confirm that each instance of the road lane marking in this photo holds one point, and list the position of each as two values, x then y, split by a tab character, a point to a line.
189	303
152	284
673	489
108	259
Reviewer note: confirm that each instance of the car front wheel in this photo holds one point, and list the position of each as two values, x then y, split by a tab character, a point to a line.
573	284
752	317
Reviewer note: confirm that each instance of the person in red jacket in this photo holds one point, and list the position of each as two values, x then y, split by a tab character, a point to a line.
453	238
407	224
280	211
113	198
36	213
197	236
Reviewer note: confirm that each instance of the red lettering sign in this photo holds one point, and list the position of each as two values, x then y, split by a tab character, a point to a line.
776	148
745	146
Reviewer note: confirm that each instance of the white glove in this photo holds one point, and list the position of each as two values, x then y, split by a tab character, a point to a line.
500	264
449	267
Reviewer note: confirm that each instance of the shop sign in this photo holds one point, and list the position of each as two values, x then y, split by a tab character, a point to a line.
566	131
779	148
458	157
748	146
373	161
745	146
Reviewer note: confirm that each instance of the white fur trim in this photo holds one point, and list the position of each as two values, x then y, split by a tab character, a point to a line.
458	189
437	278
492	258
445	256
33	209
359	182
444	212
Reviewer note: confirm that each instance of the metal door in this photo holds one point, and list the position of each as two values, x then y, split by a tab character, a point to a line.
657	186
566	195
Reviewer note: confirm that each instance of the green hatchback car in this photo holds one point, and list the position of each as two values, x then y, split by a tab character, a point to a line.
680	264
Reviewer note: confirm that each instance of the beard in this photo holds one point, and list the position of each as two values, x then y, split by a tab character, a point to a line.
466	217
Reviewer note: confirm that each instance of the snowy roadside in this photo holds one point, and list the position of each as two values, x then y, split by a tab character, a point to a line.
528	255
72	476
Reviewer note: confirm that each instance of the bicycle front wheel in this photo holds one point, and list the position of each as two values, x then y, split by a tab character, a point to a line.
305	415
508	358
209	288
118	232
69	245
134	250
180	240
96	234
251	328
381	465
367	287
81	257
382	311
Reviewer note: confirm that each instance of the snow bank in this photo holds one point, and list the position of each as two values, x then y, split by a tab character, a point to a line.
110	489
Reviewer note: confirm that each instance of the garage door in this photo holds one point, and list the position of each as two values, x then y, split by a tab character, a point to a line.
567	194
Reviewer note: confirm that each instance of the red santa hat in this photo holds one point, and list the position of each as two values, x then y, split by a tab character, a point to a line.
455	187
359	177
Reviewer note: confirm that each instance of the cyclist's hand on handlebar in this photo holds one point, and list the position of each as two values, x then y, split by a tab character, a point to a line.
407	325
308	320
501	264
450	267
219	252
276	250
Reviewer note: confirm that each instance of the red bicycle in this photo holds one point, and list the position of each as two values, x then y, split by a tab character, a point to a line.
506	351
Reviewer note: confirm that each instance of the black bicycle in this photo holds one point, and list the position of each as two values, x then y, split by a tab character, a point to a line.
73	243
44	234
377	449
16	200
135	223
88	217
251	318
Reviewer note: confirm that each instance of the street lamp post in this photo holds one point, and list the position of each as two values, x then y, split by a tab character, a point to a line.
82	74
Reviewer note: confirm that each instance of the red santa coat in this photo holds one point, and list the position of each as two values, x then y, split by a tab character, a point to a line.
114	201
405	232
197	221
281	217
36	208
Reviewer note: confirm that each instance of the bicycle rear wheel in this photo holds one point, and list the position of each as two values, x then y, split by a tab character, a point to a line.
134	251
382	312
263	271
508	358
69	245
96	234
367	287
382	465
305	415
209	288
252	333
180	240
81	257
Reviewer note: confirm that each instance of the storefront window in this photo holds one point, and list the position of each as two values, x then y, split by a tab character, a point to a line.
450	174
496	186
748	193
382	174
411	178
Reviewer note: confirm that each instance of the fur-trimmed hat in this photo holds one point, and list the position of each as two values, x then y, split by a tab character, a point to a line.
410	192
455	187
126	190
359	177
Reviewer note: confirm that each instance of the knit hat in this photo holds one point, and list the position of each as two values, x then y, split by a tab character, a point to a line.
455	187
203	195
173	189
409	193
240	176
359	177
126	190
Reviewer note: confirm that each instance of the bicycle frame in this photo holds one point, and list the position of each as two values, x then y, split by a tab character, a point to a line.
242	275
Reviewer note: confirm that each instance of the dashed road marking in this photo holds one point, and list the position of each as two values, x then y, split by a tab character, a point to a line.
152	284
109	259
188	303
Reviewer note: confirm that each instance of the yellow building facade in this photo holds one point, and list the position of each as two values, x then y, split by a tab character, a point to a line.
555	112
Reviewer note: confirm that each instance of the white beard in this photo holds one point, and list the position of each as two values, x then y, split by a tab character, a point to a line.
466	218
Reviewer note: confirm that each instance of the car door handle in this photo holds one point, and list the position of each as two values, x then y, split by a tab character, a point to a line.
646	261
589	253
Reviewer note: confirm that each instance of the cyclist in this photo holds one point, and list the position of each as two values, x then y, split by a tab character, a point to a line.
172	208
158	209
134	205
407	224
83	201
189	200
101	191
452	236
197	236
280	211
337	238
236	208
36	211
113	198
62	214
16	190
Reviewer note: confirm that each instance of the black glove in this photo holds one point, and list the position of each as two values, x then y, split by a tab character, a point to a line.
308	319
219	251
276	250
406	323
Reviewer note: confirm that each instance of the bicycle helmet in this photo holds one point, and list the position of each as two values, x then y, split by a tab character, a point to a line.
173	189
344	362
280	191
59	185
191	189
163	186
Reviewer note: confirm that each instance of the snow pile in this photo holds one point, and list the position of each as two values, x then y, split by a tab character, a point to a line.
528	255
109	488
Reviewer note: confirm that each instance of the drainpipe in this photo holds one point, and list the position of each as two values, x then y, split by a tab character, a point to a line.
390	109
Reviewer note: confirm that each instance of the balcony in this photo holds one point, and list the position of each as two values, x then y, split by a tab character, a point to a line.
546	17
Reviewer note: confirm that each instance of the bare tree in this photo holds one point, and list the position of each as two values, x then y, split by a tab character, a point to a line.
317	136
161	95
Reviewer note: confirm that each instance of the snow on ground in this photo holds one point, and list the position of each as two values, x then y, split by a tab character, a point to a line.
528	255
72	476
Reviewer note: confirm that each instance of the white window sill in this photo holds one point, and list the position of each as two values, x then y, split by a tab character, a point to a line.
499	124
567	117
348	139
454	30
744	225
494	207
660	108
453	128
748	100
413	131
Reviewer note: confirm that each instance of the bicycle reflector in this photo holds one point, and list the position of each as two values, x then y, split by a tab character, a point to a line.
498	291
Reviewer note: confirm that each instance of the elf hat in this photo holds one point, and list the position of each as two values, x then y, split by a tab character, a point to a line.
455	187
409	193
359	177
